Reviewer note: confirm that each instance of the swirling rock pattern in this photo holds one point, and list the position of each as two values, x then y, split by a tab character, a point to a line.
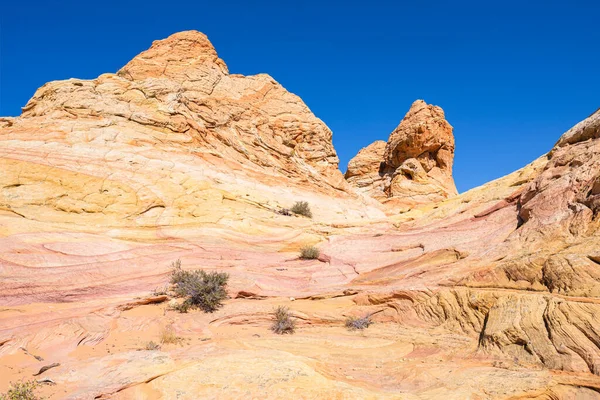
491	294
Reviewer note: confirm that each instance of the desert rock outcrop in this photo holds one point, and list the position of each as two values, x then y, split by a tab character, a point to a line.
490	294
364	171
171	133
415	165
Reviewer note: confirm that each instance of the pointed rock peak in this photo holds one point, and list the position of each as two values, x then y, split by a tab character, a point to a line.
414	166
179	57
423	134
424	137
421	110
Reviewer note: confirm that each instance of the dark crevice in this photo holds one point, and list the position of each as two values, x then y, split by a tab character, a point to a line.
520	220
594	259
482	333
547	326
81	341
151	208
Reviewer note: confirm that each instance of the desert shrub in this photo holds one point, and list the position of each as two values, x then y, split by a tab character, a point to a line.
168	336
282	321
201	289
354	323
161	291
183	307
152	346
24	390
309	253
302	208
177	274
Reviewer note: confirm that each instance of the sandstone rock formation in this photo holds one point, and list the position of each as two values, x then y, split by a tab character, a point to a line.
415	166
491	294
174	109
364	171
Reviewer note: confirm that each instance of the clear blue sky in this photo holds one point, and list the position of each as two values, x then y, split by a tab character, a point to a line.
511	75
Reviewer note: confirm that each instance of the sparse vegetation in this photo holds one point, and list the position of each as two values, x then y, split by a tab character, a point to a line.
168	336
161	291
201	289
302	208
152	346
283	322
284	211
309	253
24	390
183	307
355	323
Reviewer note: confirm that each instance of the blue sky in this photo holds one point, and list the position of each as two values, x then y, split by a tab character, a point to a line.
511	76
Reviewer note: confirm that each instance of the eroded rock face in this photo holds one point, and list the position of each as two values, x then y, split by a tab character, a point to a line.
566	195
179	87
162	138
364	170
490	294
414	166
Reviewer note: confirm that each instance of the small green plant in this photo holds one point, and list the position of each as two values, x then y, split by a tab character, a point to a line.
201	289
152	346
302	208
283	322
309	253
355	323
24	390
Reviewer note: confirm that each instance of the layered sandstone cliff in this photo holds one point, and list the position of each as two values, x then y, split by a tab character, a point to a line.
164	140
414	166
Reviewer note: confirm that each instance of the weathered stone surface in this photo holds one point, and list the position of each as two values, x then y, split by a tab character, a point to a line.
491	294
365	170
585	130
178	98
564	200
414	166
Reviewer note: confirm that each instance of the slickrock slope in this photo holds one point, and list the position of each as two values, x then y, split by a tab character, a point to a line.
532	292
414	166
169	147
491	294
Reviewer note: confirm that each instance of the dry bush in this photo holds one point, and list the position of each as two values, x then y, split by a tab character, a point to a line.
354	323
309	253
302	208
24	390
201	289
161	291
283	322
183	307
168	336
152	346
